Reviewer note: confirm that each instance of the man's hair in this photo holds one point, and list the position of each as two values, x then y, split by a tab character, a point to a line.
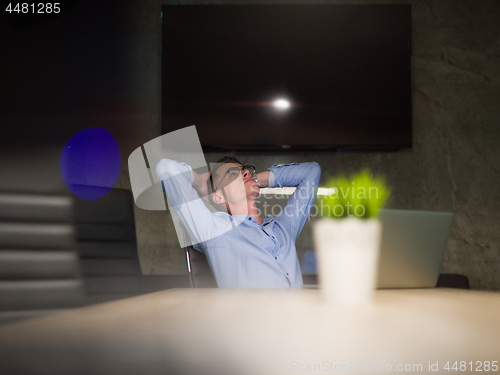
210	182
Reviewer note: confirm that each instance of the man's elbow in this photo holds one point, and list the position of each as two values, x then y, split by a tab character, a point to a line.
167	167
316	166
316	170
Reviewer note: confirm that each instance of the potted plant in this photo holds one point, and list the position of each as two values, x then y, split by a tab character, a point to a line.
347	236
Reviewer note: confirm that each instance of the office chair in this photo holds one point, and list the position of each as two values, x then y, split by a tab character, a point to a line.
107	244
199	272
105	233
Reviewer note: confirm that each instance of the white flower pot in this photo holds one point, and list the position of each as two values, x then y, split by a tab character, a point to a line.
347	252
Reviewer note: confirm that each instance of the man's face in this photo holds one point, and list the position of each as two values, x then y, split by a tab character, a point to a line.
237	184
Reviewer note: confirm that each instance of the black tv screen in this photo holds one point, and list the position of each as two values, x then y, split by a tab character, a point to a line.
297	76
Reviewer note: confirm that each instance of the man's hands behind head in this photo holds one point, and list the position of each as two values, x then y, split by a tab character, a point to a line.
200	184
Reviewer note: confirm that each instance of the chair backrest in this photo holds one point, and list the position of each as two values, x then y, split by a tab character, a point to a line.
105	233
200	274
107	243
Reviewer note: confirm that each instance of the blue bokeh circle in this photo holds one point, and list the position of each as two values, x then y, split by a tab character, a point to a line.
91	163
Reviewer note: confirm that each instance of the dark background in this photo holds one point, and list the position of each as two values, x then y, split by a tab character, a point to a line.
63	73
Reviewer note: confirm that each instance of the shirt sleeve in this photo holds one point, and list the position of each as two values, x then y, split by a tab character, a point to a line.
270	180
305	177
198	221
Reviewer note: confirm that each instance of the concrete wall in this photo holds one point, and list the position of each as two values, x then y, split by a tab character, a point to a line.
454	164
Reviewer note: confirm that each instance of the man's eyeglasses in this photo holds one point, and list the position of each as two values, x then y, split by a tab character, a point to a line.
233	172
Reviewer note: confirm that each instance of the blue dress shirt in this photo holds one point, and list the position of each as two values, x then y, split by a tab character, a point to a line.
241	252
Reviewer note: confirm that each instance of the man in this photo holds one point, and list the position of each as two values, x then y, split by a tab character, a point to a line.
243	249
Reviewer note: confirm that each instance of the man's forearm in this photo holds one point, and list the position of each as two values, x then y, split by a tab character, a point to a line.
196	180
291	175
262	179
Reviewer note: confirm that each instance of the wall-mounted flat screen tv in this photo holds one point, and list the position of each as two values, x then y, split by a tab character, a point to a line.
295	76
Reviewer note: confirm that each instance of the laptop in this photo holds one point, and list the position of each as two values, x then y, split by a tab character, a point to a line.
412	248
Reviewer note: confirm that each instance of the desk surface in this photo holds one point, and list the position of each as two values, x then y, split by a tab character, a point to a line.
217	331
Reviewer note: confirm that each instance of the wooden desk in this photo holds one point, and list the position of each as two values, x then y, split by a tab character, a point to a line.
258	332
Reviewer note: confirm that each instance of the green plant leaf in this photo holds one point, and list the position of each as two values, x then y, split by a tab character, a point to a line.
360	195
